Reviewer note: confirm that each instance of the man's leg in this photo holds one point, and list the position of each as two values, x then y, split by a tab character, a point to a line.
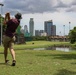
12	53
13	56
5	54
5	44
11	47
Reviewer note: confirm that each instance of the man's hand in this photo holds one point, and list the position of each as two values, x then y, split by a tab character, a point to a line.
7	18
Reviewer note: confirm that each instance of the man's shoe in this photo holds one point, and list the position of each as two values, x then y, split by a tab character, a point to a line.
6	61
13	62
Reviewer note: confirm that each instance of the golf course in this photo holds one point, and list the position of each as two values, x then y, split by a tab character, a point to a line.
39	62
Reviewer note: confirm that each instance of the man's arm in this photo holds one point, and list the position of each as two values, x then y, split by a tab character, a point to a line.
7	18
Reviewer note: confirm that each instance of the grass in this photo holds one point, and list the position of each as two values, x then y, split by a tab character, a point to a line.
46	62
40	62
39	44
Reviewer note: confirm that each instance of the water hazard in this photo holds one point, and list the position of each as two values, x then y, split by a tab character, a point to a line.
65	49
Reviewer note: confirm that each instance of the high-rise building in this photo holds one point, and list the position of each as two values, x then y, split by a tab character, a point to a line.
49	28
25	29
31	27
37	33
53	30
41	31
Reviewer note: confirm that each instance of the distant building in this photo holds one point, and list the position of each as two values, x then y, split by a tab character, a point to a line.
53	30
31	27
49	28
25	29
40	33
44	34
37	33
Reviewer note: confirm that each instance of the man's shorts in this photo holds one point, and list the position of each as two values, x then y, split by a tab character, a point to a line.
8	42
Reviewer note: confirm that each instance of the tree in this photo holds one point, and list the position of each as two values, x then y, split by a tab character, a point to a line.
18	30
72	35
3	27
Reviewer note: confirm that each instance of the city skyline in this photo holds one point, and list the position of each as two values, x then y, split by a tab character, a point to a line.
60	11
49	29
59	31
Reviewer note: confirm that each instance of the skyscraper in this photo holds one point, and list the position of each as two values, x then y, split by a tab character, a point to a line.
31	27
53	30
49	28
25	29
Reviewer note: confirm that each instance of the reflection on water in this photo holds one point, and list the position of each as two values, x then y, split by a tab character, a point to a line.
62	49
66	49
39	48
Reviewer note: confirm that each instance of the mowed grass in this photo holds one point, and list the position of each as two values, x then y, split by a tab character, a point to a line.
44	62
39	62
37	44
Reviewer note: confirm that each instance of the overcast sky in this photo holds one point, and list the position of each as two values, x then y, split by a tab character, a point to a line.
60	11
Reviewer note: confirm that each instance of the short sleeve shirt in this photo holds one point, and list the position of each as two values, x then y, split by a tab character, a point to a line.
12	25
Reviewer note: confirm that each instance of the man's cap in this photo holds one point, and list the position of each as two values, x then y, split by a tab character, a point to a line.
18	15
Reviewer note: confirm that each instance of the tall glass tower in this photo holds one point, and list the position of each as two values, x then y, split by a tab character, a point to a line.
49	28
31	27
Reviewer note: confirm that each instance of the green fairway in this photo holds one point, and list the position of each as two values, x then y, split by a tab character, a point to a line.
38	44
39	62
46	62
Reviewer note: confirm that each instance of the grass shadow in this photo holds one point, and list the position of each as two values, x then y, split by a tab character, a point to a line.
60	56
1	52
74	63
2	63
64	56
65	72
5	64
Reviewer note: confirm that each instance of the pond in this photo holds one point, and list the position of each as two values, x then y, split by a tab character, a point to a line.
55	47
65	49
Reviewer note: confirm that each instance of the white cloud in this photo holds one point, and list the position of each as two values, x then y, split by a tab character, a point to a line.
1	1
60	11
40	6
67	1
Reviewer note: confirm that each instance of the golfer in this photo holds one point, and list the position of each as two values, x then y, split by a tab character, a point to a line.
9	37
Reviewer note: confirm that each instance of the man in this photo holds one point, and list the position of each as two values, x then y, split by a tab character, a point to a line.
9	37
